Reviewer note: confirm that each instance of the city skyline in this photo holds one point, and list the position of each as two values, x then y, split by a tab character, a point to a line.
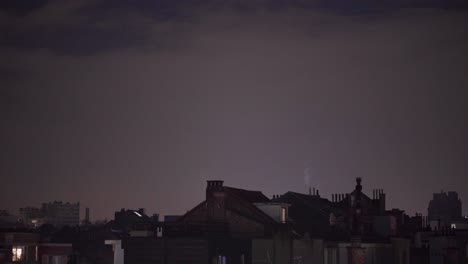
333	197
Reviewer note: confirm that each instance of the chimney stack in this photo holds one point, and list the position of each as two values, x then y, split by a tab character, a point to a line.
214	185
87	215
215	199
141	211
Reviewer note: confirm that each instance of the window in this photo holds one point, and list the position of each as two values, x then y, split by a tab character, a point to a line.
221	259
18	253
283	215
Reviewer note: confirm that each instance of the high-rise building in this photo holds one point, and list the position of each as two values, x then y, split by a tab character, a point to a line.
444	208
61	214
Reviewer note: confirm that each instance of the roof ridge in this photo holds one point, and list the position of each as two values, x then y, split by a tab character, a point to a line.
244	190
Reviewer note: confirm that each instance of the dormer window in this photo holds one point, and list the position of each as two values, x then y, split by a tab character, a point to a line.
283	215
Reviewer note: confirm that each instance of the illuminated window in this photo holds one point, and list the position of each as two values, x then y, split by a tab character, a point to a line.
18	253
221	259
453	226
283	215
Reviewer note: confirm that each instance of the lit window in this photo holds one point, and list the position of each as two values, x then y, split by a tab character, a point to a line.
453	226
18	253
283	215
221	259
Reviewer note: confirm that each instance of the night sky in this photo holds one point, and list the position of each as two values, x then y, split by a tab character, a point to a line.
132	104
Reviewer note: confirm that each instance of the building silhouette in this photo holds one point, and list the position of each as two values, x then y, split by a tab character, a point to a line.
444	209
56	213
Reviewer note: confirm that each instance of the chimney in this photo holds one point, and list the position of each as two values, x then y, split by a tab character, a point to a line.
215	199
87	215
382	202
142	211
214	185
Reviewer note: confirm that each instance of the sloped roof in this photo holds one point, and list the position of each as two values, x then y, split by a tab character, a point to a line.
312	204
310	214
249	196
242	202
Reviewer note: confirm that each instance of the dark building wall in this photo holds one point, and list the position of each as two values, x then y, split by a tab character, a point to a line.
215	200
150	250
308	251
445	206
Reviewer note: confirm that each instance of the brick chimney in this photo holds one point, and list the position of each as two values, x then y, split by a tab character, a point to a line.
215	199
356	253
382	198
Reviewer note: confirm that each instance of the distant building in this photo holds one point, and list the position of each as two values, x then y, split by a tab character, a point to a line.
30	213
444	208
9	221
55	213
87	220
62	214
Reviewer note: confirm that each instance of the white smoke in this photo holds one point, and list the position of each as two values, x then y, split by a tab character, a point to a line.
306	174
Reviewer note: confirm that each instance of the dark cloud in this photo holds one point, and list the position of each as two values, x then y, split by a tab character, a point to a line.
87	27
21	8
65	27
